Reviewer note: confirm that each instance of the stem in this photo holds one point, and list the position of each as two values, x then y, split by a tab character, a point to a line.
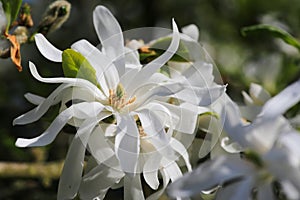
50	170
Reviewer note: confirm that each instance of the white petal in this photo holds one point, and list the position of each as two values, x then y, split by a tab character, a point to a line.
160	192
290	191
179	148
41	109
153	66
156	133
47	49
107	74
99	147
201	96
133	188
74	81
150	170
96	182
34	99
258	94
279	104
111	37
127	143
155	91
192	31
172	169
236	191
71	174
77	110
208	175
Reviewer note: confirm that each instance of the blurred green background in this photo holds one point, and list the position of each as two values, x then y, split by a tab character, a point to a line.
241	60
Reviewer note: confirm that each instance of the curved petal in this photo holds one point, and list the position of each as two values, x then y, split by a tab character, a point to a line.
34	99
154	91
41	109
74	81
133	188
47	49
201	96
280	103
179	148
77	110
166	180
96	182
106	72
70	178
127	143
209	175
99	147
150	170
146	72
192	31
155	133
111	37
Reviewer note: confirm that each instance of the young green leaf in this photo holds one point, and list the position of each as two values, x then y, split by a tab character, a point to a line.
274	31
11	9
75	64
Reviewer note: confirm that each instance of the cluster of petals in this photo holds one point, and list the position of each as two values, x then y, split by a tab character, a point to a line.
141	140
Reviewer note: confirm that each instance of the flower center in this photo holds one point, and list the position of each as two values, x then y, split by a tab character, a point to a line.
117	99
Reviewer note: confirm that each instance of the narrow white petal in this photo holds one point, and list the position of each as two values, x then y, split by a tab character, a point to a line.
201	96
150	170
47	49
133	188
166	180
156	64
36	113
279	104
34	99
74	81
192	31
107	74
154	91
172	169
155	133
179	148
111	37
70	178
77	110
96	182
99	147
258	94
127	143
208	175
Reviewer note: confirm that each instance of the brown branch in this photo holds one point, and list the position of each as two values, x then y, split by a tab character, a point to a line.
50	170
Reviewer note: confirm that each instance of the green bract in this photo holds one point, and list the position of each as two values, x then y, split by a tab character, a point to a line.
11	9
74	65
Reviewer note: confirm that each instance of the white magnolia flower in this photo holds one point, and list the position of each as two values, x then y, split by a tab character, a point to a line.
135	98
271	156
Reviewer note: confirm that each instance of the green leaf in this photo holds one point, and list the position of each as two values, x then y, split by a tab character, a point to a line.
160	46
75	65
274	31
11	9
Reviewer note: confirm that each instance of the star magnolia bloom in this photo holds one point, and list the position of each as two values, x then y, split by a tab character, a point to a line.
274	156
137	98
